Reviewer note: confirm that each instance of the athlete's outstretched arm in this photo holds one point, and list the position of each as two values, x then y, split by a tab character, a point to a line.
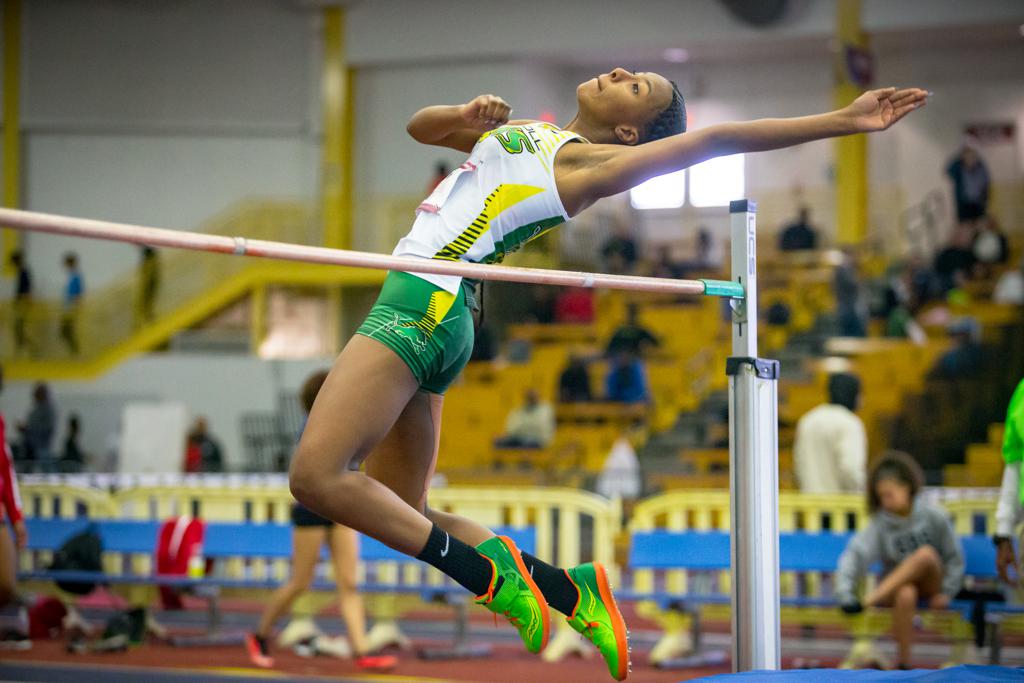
618	168
458	126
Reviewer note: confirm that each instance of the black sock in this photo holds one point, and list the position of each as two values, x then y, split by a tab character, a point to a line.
554	583
458	560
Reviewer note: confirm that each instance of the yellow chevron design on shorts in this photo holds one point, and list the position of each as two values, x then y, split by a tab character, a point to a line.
503	197
440	303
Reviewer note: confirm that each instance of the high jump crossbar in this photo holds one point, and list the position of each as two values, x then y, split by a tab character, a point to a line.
753	393
241	246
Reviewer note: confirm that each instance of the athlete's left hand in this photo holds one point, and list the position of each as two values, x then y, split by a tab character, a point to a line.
878	109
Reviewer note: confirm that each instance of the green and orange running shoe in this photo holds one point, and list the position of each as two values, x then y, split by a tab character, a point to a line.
514	594
598	619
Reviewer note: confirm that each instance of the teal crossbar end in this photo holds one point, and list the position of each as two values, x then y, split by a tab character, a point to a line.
727	288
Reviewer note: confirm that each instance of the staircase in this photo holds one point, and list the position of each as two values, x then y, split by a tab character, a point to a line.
192	287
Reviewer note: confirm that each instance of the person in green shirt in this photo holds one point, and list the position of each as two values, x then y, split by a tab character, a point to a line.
1011	502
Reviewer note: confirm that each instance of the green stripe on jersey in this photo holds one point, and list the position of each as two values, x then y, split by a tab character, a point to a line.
515	239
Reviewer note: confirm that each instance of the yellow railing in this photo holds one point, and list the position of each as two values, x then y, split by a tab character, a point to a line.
586	523
112	314
586	529
233	498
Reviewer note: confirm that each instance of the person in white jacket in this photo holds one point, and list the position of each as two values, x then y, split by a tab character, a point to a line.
831	447
1010	509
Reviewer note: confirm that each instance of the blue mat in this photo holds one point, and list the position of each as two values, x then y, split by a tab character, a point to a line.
956	674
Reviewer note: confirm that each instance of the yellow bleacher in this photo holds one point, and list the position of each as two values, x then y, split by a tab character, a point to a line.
682	371
984	462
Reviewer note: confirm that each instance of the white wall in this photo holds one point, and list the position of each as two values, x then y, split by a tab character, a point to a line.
402	31
220	387
389	163
162	114
979	85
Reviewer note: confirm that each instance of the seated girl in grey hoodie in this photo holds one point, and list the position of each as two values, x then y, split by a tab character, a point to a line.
914	542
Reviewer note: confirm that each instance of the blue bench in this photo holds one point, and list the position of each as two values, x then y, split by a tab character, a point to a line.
709	551
799	552
233	541
222	541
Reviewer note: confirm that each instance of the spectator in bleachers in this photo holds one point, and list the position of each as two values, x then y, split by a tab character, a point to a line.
203	453
955	263
851	309
530	426
575	305
22	301
666	266
149	283
109	459
970	183
991	245
778	314
1010	287
709	252
631	337
830	450
1010	510
309	533
73	292
902	301
799	235
37	430
965	359
620	476
914	542
619	251
72	458
485	346
441	171
10	503
627	379
574	382
543	301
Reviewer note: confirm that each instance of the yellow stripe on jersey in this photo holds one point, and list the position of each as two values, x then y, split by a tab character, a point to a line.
503	197
440	303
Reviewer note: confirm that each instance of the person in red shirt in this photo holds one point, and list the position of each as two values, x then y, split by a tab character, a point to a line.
10	501
575	305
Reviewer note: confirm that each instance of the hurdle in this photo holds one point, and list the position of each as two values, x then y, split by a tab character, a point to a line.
753	393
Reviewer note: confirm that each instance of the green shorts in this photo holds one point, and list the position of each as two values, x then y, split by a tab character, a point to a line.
429	328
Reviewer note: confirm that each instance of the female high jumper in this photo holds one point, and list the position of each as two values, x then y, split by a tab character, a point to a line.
381	403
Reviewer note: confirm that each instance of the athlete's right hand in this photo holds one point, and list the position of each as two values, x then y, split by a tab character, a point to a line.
485	112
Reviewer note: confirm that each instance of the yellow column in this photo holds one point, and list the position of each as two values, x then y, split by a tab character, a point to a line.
337	88
12	120
336	93
851	152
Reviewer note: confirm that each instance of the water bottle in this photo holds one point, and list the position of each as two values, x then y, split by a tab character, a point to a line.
197	564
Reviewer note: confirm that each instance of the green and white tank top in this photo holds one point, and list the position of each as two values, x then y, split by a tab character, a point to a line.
502	197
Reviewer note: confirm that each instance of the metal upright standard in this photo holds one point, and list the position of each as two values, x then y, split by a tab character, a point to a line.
753	465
